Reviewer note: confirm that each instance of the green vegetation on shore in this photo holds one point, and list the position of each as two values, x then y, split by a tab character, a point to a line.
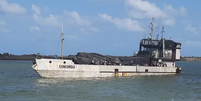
7	56
190	58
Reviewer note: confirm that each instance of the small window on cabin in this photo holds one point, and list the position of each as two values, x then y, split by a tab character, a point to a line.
64	62
146	70
50	61
116	70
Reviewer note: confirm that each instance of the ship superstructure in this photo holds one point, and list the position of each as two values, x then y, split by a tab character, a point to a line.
161	52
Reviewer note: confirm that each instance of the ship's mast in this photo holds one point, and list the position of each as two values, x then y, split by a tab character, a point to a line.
152	28
162	32
62	39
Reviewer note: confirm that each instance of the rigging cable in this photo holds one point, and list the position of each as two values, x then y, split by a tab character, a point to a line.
57	46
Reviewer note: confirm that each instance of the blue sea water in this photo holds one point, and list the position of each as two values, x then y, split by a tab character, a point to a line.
18	82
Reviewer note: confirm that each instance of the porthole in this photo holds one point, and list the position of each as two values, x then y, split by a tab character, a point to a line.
64	62
146	70
50	61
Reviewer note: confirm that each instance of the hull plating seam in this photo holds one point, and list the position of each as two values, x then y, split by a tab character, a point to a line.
133	72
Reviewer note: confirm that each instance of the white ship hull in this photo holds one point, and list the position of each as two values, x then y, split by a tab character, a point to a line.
56	68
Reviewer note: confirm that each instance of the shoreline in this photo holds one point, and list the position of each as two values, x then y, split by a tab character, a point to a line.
7	56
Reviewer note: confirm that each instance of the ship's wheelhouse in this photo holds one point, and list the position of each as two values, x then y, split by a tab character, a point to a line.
160	50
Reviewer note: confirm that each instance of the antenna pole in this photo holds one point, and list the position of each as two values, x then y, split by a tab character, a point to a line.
62	39
162	32
157	37
152	28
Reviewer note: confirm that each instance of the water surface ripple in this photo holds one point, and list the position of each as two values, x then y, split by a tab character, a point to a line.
18	82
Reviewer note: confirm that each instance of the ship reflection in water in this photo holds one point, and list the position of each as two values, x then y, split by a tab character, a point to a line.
52	81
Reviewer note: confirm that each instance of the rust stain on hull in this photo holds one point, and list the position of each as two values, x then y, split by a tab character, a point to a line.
116	74
124	74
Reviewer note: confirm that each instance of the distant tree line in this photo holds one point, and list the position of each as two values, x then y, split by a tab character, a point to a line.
8	56
190	58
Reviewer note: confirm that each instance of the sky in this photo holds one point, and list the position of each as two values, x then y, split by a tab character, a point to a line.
109	27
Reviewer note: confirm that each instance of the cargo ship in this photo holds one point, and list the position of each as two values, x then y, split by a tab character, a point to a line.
160	56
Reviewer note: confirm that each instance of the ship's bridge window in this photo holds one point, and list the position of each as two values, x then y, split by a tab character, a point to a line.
50	61
178	46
